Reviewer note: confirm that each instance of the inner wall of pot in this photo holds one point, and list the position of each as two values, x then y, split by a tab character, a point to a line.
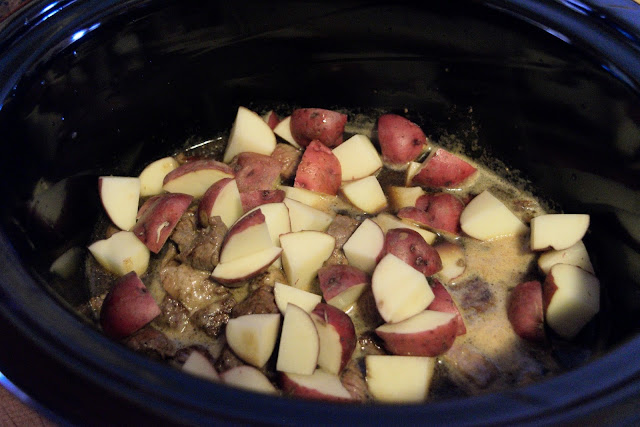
140	86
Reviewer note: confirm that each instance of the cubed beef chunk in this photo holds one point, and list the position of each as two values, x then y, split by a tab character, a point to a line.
213	318
151	342
204	251
185	231
353	379
341	228
466	363
173	314
193	288
227	360
288	156
260	301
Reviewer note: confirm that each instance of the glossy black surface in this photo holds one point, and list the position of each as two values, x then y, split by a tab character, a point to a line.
94	87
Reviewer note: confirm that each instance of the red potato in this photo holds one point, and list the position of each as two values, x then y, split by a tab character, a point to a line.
127	307
195	177
253	199
444	303
319	170
309	124
337	337
443	169
256	172
289	158
159	216
429	333
525	311
320	385
411	248
272	119
401	140
221	199
443	211
342	285
248	235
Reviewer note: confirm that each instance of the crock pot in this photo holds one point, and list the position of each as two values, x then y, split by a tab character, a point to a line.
92	87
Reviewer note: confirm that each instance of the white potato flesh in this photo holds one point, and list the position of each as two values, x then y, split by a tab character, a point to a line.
358	158
253	337
365	194
285	294
249	133
197	364
121	253
152	176
283	130
304	217
364	246
303	253
120	196
558	231
400	291
389	222
575	301
299	343
399	379
575	255
487	218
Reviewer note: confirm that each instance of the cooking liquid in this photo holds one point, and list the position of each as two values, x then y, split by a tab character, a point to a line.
501	264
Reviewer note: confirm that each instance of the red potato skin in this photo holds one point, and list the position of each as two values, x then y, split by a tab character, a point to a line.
255	171
254	218
443	211
196	165
209	199
444	303
325	126
292	388
319	170
443	170
158	217
410	247
343	325
525	311
272	120
127	307
401	140
334	279
252	199
289	158
429	343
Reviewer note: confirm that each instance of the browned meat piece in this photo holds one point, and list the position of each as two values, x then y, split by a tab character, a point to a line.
227	360
260	301
366	309
151	342
185	231
95	304
173	314
476	295
268	278
337	257
167	254
289	157
191	287
369	344
354	381
342	227
212	319
466	363
256	172
204	251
